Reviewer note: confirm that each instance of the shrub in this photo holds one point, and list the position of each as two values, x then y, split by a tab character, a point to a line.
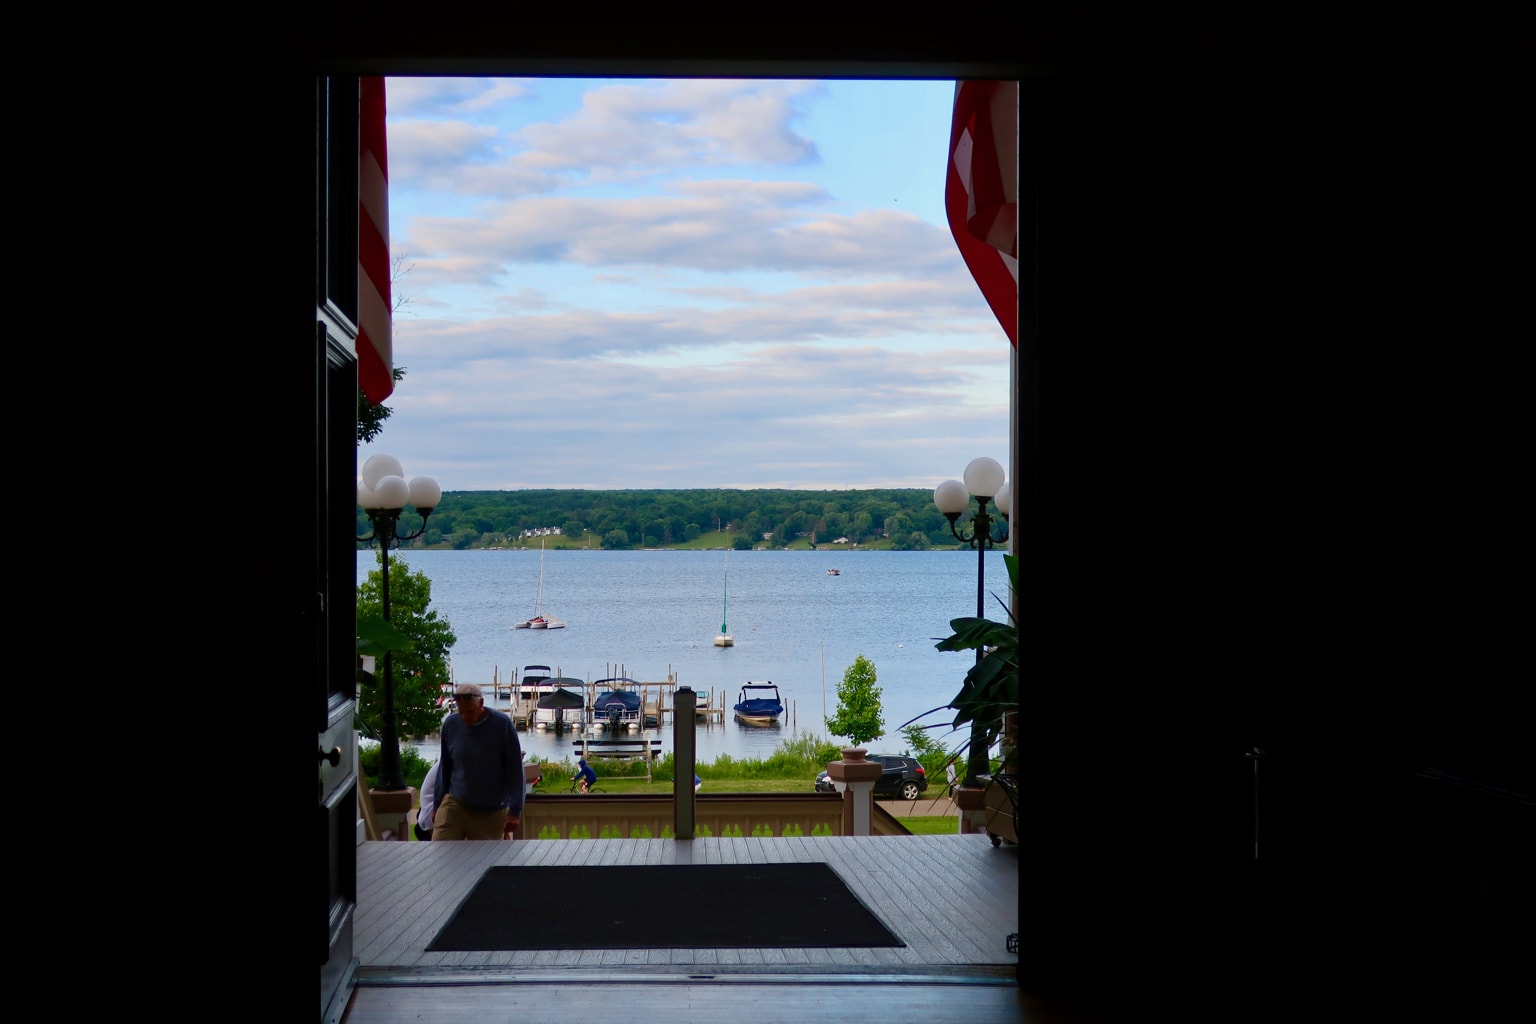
413	767
930	753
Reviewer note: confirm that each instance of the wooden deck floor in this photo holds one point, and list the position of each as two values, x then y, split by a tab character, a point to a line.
953	900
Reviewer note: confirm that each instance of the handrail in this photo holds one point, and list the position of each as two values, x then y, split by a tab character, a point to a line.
628	816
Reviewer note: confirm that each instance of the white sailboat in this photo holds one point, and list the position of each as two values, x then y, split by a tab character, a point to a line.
539	620
723	638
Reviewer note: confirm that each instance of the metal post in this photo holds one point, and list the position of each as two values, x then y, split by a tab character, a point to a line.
983	528
389	744
978	761
386	533
684	760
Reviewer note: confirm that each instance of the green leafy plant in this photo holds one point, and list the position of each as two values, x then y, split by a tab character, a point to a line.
418	640
375	636
989	692
413	767
858	704
930	753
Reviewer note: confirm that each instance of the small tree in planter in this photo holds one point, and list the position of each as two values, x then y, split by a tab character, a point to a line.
858	704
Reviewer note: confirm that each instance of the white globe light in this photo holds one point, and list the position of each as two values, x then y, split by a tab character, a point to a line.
984	477
1004	500
380	466
392	492
365	496
951	497
425	493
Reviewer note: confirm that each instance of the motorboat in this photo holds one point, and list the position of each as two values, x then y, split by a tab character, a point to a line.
530	684
563	707
759	704
617	704
834	572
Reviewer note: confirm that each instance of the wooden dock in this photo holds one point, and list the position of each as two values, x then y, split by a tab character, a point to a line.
709	708
655	700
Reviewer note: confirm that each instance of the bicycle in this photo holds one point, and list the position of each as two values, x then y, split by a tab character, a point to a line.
575	787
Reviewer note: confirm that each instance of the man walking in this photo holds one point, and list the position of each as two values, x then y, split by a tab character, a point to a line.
480	786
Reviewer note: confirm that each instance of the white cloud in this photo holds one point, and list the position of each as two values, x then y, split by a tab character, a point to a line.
663	284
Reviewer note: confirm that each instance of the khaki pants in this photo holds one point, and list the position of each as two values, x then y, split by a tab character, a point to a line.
452	820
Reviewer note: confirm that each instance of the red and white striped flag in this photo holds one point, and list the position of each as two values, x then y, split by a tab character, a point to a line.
981	192
375	366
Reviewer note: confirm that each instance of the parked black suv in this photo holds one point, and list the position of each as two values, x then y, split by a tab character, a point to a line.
903	777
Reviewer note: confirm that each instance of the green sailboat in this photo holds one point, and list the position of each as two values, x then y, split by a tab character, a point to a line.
723	638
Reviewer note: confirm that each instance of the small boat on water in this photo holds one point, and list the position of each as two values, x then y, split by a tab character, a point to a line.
759	704
834	572
724	638
539	620
617	704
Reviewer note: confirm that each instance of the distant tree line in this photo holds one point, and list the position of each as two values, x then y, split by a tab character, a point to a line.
900	519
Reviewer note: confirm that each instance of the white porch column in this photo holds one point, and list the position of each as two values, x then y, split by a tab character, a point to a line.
855	778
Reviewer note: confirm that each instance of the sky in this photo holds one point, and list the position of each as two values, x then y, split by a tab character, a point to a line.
677	284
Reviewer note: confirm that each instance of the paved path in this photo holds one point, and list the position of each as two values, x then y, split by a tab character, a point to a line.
922	807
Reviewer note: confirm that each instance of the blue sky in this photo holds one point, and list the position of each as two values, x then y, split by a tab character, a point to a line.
628	283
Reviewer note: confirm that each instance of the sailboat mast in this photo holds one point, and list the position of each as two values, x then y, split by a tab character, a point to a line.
723	638
538	608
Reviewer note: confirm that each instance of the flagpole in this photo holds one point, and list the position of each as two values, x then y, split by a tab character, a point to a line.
821	646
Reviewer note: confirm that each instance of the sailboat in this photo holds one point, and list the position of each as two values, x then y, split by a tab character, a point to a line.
539	619
723	638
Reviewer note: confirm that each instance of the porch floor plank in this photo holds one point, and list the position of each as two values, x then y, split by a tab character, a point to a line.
953	899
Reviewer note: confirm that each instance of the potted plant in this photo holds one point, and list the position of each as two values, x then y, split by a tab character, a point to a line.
988	698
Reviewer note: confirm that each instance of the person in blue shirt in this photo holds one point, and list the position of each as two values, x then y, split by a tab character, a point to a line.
480	789
698	783
585	776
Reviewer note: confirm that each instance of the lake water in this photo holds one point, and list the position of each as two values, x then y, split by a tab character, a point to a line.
653	615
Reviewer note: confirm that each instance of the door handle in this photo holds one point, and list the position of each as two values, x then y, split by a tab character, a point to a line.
334	756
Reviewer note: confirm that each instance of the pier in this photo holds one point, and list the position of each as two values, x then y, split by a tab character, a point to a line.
655	699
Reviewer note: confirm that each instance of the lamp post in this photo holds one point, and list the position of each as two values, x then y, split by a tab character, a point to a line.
383	495
986	481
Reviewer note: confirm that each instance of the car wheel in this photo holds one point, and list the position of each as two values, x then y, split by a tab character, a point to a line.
909	791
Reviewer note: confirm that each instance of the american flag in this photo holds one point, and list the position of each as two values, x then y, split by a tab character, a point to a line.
375	367
981	196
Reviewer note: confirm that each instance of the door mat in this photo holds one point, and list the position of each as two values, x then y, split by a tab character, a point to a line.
661	906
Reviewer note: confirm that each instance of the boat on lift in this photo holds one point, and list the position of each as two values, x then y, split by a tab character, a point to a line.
617	704
759	704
